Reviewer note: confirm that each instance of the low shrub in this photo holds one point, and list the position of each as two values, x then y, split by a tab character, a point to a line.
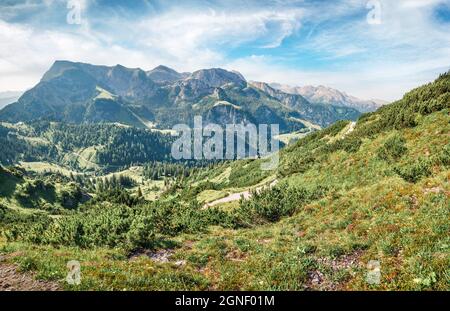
270	205
414	171
443	158
115	225
393	149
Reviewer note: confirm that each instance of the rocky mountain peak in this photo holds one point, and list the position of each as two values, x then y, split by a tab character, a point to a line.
217	77
165	74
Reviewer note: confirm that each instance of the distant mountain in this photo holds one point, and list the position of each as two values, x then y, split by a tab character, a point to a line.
322	113
162	97
326	95
217	77
165	74
9	97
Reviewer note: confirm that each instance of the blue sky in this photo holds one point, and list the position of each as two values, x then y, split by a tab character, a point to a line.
293	42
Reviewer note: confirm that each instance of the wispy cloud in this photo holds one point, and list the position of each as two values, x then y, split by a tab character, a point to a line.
409	45
203	37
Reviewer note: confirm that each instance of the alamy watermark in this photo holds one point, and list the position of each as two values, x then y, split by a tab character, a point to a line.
374	15
373	272
235	141
75	8
74	275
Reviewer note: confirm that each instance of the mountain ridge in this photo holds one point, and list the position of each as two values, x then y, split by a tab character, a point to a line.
163	97
328	95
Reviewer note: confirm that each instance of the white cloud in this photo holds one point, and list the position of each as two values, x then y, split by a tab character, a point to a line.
419	3
185	41
407	49
382	61
25	53
196	38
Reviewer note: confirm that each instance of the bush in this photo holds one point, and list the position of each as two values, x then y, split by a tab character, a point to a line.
2	212
298	164
393	149
172	217
70	196
349	144
115	196
443	158
141	232
414	171
246	174
114	225
270	205
100	226
32	192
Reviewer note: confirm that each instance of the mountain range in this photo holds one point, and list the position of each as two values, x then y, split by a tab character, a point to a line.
162	97
327	95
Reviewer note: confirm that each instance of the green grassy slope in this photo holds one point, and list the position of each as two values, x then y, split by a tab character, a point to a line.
24	192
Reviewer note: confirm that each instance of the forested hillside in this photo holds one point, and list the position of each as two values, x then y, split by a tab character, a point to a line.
88	147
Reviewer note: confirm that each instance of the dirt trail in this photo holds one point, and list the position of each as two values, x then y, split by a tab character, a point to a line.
12	280
236	196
